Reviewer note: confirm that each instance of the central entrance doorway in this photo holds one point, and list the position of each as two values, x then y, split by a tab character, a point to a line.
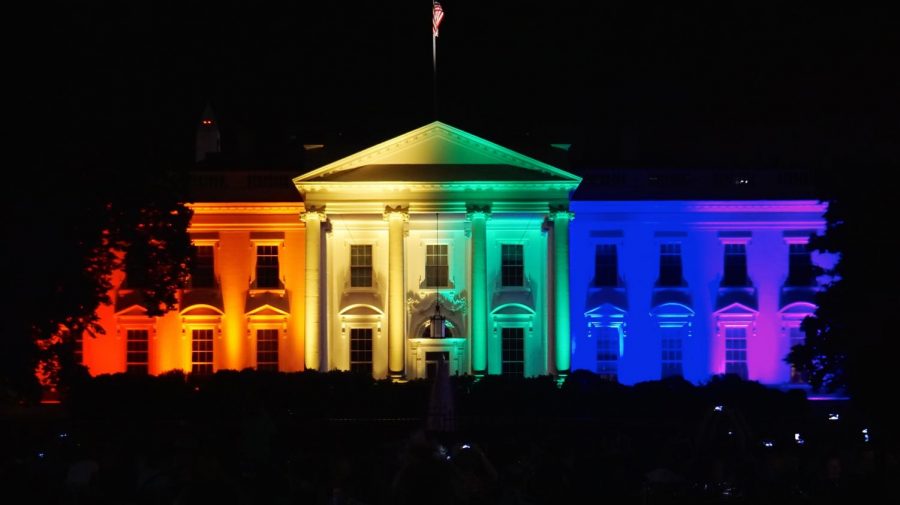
424	354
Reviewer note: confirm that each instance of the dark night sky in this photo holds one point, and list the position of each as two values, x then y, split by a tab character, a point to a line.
679	84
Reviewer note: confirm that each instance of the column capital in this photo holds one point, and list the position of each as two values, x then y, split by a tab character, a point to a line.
313	213
399	211
475	210
560	212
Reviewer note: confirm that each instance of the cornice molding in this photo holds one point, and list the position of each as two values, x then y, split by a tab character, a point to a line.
246	208
370	188
701	206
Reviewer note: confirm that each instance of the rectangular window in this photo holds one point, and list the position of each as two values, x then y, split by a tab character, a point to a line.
360	266
672	338
202	268
513	351
202	352
800	267
267	350
361	350
797	337
267	267
137	347
606	266
670	265
736	351
608	352
735	265
437	269
512	265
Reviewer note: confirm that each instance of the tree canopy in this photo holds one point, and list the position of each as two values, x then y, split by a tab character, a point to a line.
851	344
69	232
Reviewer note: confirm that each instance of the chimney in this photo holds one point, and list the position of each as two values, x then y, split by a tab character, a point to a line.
208	140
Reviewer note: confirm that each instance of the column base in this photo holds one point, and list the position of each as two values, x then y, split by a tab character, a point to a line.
397	376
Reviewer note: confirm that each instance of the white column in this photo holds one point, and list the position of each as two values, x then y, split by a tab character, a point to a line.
478	216
396	217
313	218
562	331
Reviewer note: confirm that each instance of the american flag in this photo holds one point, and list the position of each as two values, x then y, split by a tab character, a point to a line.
437	14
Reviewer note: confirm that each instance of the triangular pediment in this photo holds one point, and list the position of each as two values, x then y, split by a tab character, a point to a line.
736	309
267	310
132	311
606	310
267	303
436	152
130	302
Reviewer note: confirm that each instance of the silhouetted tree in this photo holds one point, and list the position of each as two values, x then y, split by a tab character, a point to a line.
822	359
70	232
851	341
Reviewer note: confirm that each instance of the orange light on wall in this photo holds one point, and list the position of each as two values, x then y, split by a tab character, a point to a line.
233	229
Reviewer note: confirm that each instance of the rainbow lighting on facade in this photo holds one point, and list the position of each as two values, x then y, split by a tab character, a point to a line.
528	281
691	288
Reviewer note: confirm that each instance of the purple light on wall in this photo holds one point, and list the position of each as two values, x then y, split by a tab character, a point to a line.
761	302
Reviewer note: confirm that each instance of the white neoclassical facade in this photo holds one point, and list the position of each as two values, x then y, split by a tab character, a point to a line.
438	245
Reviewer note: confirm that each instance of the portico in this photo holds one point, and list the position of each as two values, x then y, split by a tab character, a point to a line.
436	216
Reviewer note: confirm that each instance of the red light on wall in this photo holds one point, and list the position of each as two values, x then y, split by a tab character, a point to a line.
207	122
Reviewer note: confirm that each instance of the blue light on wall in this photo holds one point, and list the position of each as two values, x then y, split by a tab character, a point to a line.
656	272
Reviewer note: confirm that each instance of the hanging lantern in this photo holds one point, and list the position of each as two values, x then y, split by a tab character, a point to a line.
438	327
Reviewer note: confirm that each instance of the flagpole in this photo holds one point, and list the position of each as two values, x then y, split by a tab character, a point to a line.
434	93
437	14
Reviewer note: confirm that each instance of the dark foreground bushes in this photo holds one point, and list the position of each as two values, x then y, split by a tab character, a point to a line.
249	437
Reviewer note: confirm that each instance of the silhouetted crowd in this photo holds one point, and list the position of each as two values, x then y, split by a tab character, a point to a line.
227	439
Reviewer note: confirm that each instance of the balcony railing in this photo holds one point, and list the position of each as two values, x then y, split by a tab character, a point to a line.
267	284
633	182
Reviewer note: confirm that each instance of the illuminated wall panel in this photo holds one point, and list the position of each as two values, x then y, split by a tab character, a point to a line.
231	308
701	229
291	356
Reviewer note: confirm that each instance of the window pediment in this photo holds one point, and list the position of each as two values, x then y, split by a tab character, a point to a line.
736	309
511	309
361	303
130	302
606	310
273	301
267	310
612	296
798	308
134	310
361	310
201	310
670	296
202	297
672	310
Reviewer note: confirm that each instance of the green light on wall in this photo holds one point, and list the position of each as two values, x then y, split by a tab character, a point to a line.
478	218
